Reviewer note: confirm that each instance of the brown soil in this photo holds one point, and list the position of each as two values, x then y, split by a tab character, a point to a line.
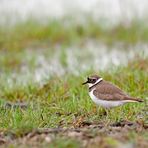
89	135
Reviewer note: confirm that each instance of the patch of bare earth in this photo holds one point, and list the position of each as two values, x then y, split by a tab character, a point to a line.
120	134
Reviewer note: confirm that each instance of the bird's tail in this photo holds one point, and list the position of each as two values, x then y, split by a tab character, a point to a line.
131	99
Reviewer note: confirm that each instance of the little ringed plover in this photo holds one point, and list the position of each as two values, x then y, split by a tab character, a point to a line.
107	95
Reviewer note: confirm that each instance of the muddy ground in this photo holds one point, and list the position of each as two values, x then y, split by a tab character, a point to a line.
120	134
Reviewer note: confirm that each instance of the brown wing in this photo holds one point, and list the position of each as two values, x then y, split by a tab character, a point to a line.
108	91
109	97
108	88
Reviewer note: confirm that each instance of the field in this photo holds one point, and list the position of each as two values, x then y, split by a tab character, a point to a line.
42	100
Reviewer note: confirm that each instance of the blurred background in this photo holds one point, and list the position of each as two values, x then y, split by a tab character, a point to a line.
113	12
41	38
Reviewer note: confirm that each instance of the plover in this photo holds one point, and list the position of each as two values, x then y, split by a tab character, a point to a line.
107	95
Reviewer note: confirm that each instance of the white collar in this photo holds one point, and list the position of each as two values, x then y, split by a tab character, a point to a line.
91	85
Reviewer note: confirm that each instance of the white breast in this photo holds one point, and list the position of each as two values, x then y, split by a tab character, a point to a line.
103	103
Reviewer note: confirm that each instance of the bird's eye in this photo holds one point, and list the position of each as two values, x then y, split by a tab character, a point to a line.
93	80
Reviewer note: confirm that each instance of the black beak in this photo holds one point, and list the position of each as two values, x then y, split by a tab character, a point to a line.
85	82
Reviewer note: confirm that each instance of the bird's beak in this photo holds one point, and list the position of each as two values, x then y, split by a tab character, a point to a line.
85	82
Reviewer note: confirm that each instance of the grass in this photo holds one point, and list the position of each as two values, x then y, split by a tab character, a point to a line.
65	143
65	32
60	102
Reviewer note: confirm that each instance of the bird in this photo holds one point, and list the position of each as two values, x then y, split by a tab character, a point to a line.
106	94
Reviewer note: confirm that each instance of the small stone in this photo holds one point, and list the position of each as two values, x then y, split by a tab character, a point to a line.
48	139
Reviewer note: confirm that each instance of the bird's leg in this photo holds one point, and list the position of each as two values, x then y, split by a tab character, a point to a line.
107	112
107	116
101	111
95	109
